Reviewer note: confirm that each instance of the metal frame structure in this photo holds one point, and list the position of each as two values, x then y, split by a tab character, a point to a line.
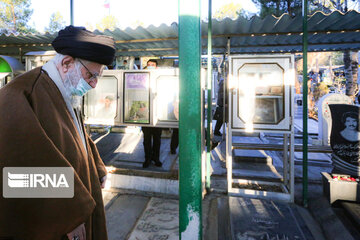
288	144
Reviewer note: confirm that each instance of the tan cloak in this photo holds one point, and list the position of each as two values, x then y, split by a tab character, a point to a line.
37	130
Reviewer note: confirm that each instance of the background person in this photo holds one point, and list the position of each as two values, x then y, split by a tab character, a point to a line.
40	126
219	112
174	143
152	135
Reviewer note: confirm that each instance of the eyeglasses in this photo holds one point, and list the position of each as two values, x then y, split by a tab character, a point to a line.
93	76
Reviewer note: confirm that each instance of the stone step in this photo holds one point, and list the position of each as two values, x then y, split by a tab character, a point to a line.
251	156
147	181
314	159
256	171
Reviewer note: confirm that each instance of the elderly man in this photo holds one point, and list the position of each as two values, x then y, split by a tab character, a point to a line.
40	126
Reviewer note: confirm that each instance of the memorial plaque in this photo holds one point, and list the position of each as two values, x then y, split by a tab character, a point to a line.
345	137
167	98
261	93
101	102
260	90
136	97
257	219
324	123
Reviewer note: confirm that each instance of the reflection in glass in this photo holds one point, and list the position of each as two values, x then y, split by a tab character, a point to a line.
167	98
101	102
261	93
136	97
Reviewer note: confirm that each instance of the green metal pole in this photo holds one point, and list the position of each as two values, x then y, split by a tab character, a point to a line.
190	183
305	104
209	100
71	12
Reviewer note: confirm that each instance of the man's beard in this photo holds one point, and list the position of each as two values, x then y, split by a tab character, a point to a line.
72	78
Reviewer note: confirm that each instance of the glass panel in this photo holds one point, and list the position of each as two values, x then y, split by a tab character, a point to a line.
167	98
261	93
136	97
102	102
33	64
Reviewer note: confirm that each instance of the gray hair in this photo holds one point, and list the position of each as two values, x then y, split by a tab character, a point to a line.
59	57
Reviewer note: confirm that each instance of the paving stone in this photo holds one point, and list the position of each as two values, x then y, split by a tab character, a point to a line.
108	196
223	218
332	226
353	210
122	215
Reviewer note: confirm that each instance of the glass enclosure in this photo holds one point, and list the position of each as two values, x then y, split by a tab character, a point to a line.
102	102
167	89
136	97
260	93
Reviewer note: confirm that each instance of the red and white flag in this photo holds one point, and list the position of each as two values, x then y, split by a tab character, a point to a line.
107	4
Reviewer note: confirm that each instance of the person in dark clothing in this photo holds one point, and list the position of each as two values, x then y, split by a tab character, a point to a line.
174	141
174	114
152	151
219	112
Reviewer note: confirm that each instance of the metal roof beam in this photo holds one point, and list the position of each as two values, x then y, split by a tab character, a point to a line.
239	35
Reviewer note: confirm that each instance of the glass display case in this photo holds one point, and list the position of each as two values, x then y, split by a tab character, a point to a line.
2	79
167	89
37	59
137	97
101	103
261	92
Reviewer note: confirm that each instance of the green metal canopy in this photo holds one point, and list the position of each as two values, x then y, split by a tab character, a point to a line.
327	32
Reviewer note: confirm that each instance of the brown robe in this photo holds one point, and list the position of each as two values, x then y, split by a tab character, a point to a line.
37	130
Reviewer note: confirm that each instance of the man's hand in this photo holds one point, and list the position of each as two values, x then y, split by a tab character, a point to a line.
103	181
78	233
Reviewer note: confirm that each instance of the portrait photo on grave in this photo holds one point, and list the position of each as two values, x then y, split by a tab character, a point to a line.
345	134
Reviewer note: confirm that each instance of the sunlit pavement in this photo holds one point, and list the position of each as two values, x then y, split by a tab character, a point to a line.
141	214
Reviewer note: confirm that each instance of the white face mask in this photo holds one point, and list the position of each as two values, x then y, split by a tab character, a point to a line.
74	83
81	88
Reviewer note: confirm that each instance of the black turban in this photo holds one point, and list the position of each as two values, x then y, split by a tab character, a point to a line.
81	43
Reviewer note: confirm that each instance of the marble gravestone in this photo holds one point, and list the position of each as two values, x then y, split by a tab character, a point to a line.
324	123
345	138
260	219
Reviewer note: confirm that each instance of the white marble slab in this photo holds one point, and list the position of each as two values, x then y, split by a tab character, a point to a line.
159	221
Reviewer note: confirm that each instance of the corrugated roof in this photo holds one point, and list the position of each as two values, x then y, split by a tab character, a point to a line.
327	32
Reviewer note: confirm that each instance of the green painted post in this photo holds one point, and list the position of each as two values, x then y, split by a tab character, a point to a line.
190	183
71	12
209	100
305	104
